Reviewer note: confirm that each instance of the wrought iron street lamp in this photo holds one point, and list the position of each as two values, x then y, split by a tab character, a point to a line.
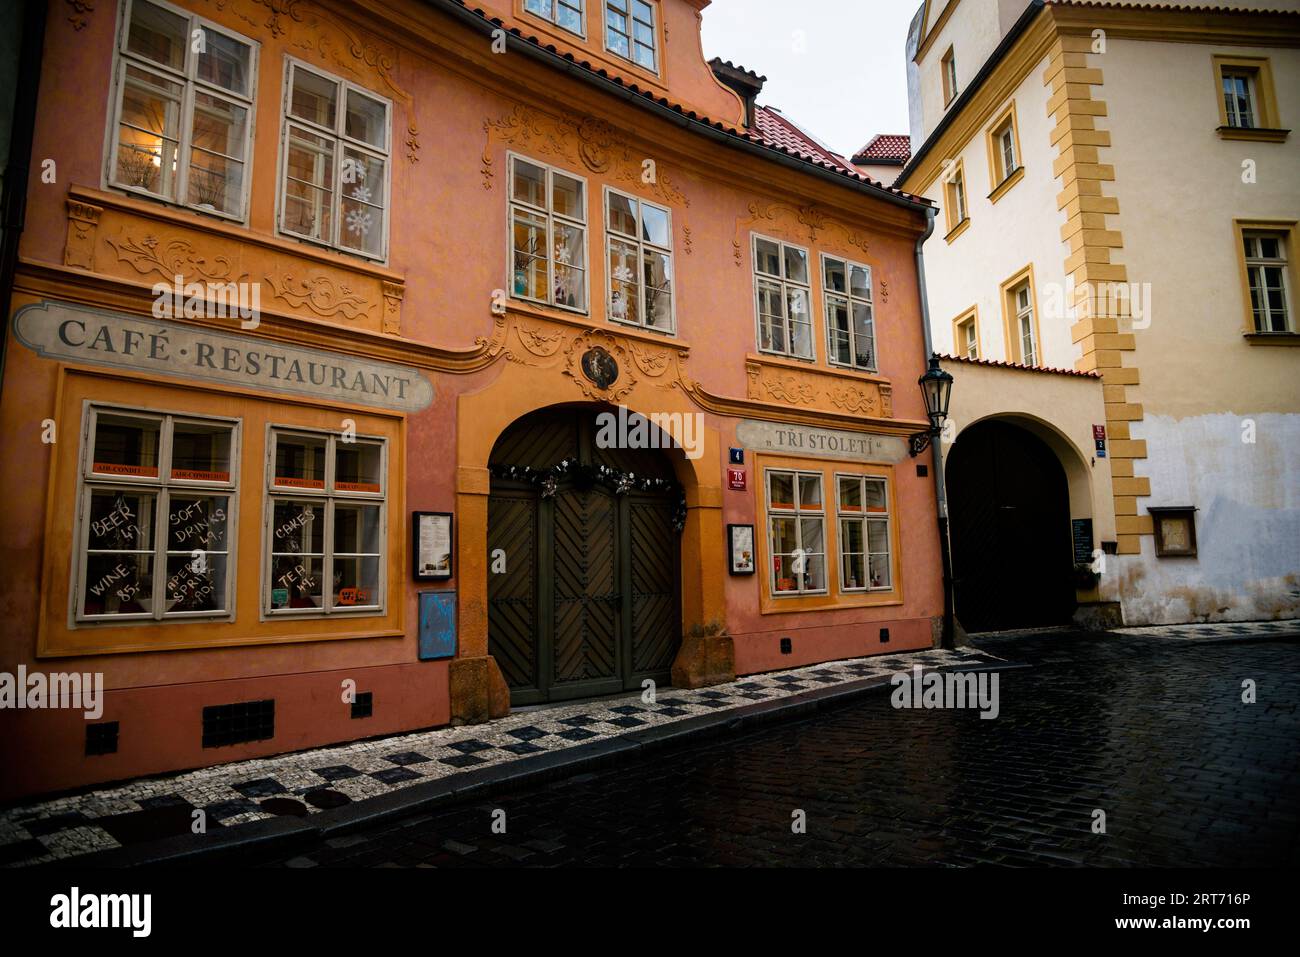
936	388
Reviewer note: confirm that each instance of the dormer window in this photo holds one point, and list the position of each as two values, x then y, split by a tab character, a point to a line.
630	32
563	13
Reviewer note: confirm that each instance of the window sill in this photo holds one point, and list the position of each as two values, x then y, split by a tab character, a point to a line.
957	230
1272	338
1005	186
1254	134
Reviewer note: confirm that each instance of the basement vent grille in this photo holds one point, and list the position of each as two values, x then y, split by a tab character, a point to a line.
225	724
363	706
101	738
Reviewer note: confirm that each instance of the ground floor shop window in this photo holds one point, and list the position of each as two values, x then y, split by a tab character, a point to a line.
157	496
796	532
865	552
325	523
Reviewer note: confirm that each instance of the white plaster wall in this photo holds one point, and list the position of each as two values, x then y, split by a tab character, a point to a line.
1023	227
1180	188
1247	523
973	32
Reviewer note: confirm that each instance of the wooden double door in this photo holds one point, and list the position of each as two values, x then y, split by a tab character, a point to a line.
583	582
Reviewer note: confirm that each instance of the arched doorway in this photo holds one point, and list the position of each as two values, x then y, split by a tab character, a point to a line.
1009	520
584	569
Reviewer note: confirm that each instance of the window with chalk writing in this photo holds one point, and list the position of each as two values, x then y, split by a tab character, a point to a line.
325	523
155	508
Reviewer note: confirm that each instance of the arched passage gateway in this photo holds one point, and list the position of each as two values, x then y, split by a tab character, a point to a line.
583	585
1009	519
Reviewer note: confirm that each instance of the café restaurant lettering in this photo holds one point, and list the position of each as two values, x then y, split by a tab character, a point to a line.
72	333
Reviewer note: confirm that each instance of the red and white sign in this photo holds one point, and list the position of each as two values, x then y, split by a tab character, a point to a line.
736	480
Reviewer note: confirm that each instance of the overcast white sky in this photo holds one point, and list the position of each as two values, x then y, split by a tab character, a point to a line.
843	83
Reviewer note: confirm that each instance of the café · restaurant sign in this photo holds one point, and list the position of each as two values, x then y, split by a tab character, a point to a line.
820	443
78	334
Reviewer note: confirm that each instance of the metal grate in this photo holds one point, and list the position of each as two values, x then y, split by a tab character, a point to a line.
363	706
101	738
225	724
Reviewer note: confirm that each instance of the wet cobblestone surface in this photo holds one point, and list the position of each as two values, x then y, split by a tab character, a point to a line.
1152	732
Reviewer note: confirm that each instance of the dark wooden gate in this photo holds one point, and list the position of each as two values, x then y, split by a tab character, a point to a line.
1009	509
588	601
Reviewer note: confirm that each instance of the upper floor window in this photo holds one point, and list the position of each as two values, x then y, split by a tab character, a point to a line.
1022	298
335	156
630	31
183	112
849	320
1239	98
564	13
1266	269
325	531
948	66
954	189
548	229
966	337
640	275
1247	101
156	516
781	298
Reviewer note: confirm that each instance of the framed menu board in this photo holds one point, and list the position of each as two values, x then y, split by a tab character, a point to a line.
431	545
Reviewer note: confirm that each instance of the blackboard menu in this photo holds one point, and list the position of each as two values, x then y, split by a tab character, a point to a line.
1081	529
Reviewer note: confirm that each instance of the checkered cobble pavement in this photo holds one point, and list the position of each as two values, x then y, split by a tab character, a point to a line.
1216	630
303	783
1152	732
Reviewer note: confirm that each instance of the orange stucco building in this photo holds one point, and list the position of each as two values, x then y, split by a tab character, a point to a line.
312	326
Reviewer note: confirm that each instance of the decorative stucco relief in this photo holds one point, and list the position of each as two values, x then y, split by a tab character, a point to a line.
797	221
83	222
316	36
81	11
323	295
819	390
594	143
172	257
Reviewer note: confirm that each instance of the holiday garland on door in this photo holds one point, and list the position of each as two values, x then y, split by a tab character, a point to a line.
586	476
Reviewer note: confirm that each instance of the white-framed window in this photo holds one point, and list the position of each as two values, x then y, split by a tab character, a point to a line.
1239	98
1266	268
796	532
564	13
1023	298
630	32
335	162
156	516
968	339
182	109
548	235
1007	150
957	193
850	320
781	298
866	557
325	523
639	242
949	67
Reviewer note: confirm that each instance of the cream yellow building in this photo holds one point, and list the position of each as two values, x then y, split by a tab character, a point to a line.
1119	187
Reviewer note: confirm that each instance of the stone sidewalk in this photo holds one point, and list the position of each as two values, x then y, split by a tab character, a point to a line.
1215	630
339	779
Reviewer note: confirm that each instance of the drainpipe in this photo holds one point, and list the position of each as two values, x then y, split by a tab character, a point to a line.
936	446
13	199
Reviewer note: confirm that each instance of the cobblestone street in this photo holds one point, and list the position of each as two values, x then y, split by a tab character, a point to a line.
1153	732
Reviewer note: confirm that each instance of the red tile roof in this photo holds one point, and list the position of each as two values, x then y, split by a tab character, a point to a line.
1020	366
892	148
778	131
789	139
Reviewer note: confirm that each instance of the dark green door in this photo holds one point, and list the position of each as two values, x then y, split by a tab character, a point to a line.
583	583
